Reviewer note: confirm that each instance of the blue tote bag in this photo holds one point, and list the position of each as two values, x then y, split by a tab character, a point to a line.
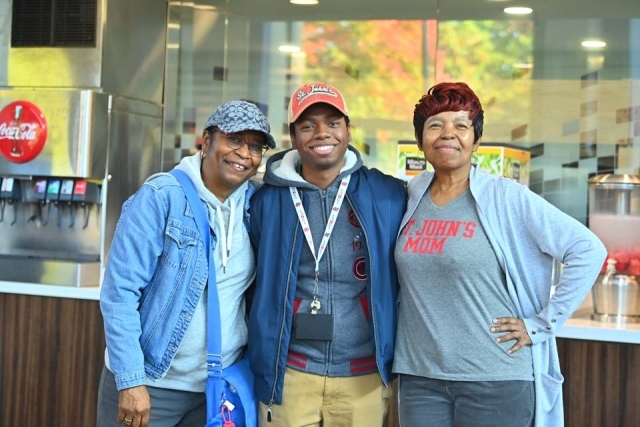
229	391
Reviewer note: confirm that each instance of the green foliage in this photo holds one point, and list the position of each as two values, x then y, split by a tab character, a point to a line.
382	70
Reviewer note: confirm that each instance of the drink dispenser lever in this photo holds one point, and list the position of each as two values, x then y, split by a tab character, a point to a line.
52	196
9	194
86	194
65	195
35	192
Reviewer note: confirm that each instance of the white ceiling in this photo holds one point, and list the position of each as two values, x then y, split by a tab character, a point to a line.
282	10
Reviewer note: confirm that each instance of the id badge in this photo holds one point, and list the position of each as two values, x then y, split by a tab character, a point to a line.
316	327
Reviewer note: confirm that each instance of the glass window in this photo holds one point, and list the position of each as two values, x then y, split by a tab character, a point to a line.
562	83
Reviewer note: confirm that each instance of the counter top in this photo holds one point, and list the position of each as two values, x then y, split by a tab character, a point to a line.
580	326
45	290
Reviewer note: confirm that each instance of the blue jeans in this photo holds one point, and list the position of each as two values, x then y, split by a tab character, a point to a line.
424	402
169	408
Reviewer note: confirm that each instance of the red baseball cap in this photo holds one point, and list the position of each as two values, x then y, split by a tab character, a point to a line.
313	93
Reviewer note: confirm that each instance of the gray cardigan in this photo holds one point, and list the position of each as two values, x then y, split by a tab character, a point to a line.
527	233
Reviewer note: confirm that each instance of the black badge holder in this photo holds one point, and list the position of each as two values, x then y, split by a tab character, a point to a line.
314	327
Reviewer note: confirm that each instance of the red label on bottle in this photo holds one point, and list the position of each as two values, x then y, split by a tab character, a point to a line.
23	131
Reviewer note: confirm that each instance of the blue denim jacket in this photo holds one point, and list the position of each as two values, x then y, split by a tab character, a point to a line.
155	276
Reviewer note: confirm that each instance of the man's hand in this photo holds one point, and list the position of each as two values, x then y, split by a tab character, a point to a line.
134	407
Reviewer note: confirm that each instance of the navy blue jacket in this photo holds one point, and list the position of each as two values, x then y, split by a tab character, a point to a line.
379	202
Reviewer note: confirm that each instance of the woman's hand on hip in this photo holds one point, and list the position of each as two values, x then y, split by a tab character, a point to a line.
134	407
517	331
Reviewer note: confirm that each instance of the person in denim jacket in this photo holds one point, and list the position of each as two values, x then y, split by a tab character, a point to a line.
153	297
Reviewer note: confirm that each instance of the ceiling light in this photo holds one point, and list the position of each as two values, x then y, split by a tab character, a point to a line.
303	1
593	43
204	7
289	48
518	10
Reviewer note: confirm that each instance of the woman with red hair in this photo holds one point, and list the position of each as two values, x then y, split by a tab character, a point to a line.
475	344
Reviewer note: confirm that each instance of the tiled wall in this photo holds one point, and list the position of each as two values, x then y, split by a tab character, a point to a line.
597	130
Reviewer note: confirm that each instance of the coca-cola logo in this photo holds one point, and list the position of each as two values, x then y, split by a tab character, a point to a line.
23	131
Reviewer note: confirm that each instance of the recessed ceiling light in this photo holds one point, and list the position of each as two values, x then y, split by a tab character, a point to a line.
593	43
303	1
518	10
204	7
289	48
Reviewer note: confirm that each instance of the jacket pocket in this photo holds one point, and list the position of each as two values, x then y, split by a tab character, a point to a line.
551	389
179	244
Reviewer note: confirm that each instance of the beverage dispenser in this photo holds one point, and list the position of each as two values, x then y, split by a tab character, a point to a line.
68	160
614	216
80	131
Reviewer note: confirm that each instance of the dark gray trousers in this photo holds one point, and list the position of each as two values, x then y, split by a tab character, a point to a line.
425	402
169	408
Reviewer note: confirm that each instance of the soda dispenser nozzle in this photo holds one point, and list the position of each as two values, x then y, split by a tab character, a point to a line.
86	194
51	198
35	192
9	194
66	194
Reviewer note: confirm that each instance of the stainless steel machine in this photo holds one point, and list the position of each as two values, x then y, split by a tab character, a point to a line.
614	216
80	131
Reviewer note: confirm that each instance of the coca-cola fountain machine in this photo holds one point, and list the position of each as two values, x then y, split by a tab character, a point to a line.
51	193
59	196
80	130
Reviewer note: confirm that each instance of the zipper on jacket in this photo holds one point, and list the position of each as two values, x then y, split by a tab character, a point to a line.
373	312
284	314
269	411
325	219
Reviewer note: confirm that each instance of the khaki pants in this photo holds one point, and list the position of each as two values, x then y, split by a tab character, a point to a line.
312	401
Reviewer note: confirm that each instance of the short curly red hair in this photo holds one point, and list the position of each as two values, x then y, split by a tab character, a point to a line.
448	96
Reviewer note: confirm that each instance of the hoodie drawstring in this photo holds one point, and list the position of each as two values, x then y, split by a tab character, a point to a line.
226	240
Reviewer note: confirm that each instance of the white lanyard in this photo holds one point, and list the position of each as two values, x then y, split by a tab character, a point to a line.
304	222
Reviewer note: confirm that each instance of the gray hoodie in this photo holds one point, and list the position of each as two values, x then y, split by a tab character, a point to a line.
235	271
342	288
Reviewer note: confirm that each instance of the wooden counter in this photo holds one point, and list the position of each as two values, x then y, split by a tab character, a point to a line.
601	387
51	356
52	352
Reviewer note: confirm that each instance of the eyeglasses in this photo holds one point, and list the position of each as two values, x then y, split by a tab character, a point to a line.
235	142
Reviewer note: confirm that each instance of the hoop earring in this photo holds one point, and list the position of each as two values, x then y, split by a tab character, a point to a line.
203	155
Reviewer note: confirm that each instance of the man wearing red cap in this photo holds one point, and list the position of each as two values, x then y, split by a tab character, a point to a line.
323	317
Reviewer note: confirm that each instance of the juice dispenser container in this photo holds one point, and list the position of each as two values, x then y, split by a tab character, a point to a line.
614	216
